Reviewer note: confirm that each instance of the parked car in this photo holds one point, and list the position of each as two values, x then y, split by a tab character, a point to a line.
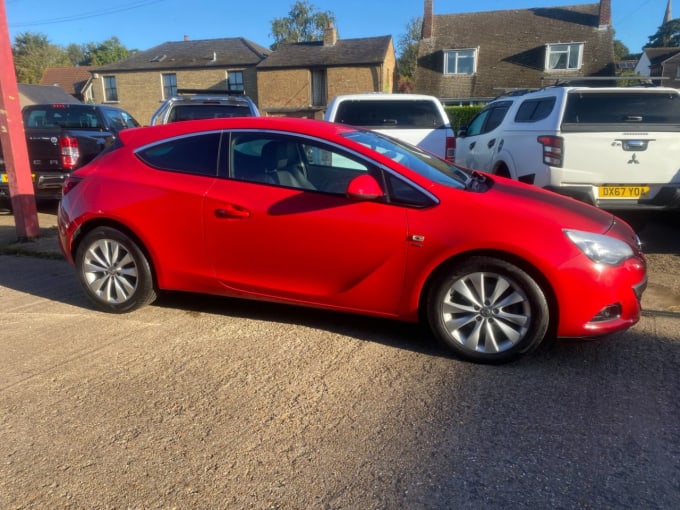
203	104
330	216
62	137
614	147
414	118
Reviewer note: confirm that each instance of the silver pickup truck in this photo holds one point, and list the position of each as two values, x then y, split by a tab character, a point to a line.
414	118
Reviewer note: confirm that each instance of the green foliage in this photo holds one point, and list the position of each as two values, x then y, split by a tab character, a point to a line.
668	35
303	23
407	48
460	116
33	53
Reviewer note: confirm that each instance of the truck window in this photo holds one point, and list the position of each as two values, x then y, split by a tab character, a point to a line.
390	114
622	108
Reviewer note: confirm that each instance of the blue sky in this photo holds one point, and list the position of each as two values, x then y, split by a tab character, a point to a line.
142	24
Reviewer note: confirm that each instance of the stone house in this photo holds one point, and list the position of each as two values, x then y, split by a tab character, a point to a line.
142	81
299	79
474	57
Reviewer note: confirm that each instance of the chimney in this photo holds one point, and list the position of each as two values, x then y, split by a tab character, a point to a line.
428	16
605	13
186	37
330	35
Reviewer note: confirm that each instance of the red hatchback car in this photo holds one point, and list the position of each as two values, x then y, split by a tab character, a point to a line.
326	215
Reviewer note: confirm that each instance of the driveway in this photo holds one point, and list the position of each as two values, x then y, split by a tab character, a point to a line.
203	402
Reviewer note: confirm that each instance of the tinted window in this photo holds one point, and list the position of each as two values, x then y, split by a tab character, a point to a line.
489	119
207	111
533	110
626	108
195	154
390	114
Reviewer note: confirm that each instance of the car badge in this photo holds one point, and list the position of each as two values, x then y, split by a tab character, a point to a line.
633	160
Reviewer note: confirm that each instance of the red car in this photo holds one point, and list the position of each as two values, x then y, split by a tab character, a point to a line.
330	216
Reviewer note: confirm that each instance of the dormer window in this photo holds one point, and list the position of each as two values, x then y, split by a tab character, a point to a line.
562	57
462	61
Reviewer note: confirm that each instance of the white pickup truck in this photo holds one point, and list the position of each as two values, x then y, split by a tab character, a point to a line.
414	118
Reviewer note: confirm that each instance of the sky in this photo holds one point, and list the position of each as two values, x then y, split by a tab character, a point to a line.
143	24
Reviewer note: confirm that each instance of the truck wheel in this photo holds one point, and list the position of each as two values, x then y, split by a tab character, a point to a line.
113	271
488	310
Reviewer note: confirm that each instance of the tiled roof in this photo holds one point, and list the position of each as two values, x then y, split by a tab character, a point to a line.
71	79
202	54
658	55
345	52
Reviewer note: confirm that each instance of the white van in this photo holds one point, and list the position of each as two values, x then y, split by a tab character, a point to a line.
614	147
414	118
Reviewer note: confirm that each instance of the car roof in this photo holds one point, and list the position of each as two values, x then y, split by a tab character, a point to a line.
149	134
384	96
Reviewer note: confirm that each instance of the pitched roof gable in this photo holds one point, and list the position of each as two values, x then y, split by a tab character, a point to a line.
657	56
71	79
345	52
235	51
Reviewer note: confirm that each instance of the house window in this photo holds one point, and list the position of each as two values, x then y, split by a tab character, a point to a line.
319	88
169	85
460	61
563	56
235	81
110	89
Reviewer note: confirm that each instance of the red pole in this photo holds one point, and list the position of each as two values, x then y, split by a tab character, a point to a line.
13	140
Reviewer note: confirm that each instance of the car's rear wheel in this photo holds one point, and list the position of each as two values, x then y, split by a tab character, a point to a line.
113	271
488	310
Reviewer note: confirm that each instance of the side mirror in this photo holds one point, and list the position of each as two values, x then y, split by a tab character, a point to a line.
364	187
462	132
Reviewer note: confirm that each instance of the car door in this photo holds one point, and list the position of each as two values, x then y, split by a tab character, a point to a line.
483	138
308	245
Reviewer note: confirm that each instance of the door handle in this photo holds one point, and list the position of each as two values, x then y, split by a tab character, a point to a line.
232	211
472	145
491	143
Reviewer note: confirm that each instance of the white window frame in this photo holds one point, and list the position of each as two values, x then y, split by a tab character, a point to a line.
106	89
457	55
553	51
169	89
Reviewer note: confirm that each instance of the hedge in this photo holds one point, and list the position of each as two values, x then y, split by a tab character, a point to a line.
461	115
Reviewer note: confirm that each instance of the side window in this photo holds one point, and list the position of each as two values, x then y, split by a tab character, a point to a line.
489	119
477	123
195	154
292	163
533	110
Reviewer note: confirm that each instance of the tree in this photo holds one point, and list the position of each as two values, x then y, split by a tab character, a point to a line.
667	36
33	53
106	52
303	23
407	61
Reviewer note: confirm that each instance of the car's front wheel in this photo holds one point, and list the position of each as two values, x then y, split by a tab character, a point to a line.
113	271
488	310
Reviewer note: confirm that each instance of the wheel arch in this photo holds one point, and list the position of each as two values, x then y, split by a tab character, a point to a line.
523	264
92	224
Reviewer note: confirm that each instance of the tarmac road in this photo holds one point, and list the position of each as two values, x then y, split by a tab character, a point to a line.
203	402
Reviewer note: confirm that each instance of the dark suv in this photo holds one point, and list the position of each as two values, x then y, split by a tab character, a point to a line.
204	104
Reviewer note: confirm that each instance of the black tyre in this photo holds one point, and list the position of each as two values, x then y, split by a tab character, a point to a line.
113	271
488	310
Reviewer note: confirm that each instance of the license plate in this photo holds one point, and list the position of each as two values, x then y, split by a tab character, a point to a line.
618	192
5	180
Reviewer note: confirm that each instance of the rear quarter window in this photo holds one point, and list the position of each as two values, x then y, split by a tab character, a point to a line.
533	110
197	154
419	114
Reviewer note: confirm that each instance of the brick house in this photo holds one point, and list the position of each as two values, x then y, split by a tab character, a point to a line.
73	80
298	79
473	57
142	81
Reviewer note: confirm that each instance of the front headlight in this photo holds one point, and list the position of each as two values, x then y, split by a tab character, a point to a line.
599	248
